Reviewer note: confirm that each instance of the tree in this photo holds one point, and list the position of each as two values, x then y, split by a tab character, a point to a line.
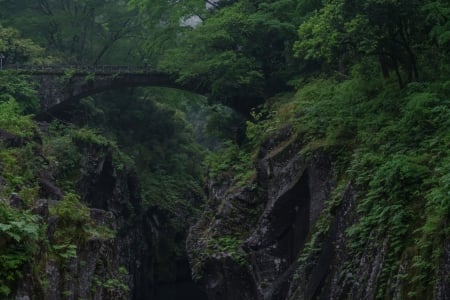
345	31
17	49
437	16
79	31
239	50
14	87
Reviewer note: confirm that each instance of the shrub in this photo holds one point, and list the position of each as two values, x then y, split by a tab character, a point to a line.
19	234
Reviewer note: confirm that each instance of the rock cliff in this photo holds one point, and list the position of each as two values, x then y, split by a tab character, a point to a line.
285	235
110	265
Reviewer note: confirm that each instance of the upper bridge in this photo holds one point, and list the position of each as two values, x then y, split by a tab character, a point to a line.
60	85
61	69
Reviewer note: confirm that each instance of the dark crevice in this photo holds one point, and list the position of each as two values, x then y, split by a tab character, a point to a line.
292	214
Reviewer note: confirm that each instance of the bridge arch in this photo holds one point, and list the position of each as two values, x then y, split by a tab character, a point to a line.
61	85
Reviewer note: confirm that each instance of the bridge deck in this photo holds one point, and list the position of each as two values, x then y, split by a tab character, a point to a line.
80	69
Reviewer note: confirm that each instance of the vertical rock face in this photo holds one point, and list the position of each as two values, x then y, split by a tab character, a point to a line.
116	193
442	288
296	192
284	235
290	196
109	266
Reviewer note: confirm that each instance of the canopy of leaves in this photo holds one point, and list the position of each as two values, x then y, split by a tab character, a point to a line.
344	32
240	51
76	31
17	49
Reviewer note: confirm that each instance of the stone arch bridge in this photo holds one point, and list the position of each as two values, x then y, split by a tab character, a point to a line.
60	85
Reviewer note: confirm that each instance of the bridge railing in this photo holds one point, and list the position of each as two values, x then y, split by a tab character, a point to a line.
99	69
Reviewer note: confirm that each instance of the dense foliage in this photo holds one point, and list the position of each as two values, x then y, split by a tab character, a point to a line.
159	139
372	89
367	81
75	31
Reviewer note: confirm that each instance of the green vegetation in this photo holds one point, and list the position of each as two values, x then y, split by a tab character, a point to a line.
19	165
372	90
240	51
12	121
365	81
17	49
75	31
19	234
228	246
115	286
74	222
231	163
399	141
159	142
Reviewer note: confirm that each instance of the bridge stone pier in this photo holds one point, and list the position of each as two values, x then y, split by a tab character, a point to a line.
59	86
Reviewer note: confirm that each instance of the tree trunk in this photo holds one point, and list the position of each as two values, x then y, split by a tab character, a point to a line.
397	72
384	65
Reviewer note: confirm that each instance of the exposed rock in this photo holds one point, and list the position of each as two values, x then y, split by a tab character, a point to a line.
294	192
105	266
318	272
49	189
277	249
10	139
443	284
52	222
15	201
41	208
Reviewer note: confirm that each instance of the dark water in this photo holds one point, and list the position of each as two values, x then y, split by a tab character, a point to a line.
185	290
